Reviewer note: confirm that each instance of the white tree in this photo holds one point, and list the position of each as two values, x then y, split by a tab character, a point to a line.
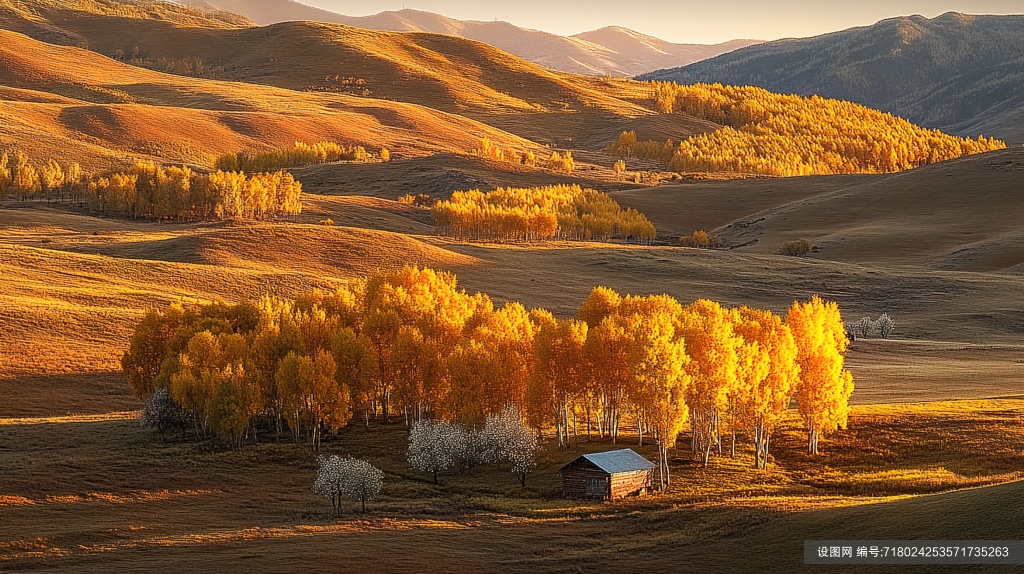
161	412
362	481
885	325
329	479
434	446
347	477
864	327
507	438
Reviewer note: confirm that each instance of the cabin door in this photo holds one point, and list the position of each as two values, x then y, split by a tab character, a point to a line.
597	487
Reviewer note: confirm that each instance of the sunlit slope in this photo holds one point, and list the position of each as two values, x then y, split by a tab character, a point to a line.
60	99
71	282
962	214
441	72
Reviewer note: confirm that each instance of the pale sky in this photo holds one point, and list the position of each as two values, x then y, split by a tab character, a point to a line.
684	21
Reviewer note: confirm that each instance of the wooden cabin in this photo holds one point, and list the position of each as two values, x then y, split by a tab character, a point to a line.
608	475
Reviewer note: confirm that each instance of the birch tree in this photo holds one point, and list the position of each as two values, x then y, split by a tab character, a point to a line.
712	346
768	375
824	387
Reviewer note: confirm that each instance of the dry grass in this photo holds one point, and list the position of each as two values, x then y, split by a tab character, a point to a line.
124	497
193	120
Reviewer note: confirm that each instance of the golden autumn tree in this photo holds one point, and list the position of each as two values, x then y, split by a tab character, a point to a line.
713	348
560	374
356	368
768	375
601	303
658	360
824	390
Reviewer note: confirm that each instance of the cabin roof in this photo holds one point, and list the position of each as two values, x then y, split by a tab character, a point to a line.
615	461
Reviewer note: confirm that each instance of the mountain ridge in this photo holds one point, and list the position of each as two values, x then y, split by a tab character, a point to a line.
955	72
611	50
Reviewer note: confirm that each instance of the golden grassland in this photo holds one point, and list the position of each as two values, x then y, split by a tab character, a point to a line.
125	497
117	109
956	215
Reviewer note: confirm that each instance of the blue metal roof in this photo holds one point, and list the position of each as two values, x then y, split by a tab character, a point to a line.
616	461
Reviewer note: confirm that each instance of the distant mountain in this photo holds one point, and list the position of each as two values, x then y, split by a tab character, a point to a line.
613	50
960	73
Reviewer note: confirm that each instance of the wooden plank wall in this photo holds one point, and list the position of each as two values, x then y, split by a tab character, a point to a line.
574	479
631	483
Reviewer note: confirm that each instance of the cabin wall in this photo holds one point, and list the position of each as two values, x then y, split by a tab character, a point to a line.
575	478
633	482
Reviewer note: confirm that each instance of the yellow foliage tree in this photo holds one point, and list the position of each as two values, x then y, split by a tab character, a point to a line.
824	390
713	348
768	375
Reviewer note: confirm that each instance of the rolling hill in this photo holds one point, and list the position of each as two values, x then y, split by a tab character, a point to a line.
958	215
73	103
613	50
444	73
956	72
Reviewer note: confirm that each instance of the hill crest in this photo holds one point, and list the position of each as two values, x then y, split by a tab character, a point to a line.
609	51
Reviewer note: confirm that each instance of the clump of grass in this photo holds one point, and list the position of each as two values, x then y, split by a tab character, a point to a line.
796	248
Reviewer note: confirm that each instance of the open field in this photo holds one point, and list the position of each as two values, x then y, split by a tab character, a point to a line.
82	494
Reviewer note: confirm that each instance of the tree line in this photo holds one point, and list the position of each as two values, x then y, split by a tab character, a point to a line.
150	191
410	341
787	135
528	214
297	155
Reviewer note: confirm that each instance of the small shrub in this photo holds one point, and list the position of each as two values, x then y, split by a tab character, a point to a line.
796	248
700	239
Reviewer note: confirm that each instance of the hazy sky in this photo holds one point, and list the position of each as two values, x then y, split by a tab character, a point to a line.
705	21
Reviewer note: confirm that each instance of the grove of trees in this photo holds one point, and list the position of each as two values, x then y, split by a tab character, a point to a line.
526	214
490	150
410	342
628	146
786	135
439	445
297	155
150	191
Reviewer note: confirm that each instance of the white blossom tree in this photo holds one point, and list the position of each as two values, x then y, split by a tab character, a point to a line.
339	478
162	413
863	327
329	478
507	438
434	446
885	326
363	481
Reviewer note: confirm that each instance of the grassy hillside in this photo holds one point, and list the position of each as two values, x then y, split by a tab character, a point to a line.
441	72
959	215
63	101
947	72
